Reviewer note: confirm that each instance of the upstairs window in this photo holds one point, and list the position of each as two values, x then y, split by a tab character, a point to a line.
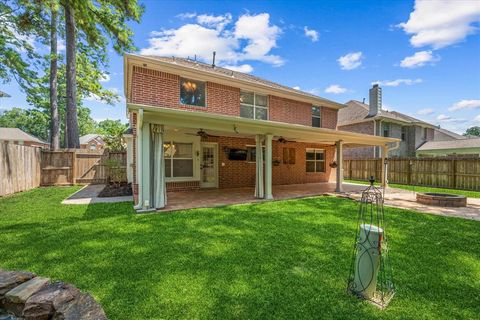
404	133
315	160
316	116
253	106
425	133
192	92
386	130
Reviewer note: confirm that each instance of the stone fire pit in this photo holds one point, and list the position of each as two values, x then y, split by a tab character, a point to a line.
441	199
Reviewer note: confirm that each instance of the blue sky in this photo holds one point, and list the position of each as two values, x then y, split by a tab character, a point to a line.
426	55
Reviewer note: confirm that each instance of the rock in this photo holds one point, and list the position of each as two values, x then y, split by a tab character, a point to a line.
15	299
11	279
83	307
44	303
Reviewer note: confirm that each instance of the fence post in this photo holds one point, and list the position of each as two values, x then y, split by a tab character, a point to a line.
74	167
454	174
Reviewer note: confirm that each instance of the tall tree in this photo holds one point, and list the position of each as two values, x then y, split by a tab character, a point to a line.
54	119
95	22
112	133
72	136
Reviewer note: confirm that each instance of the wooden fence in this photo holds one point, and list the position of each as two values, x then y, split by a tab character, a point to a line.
79	166
455	173
19	168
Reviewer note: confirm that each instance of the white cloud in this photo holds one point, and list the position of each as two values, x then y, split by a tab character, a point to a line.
397	82
252	37
296	88
218	22
61	45
186	15
425	112
440	23
477	119
419	59
335	89
312	34
442	117
351	60
245	68
465	104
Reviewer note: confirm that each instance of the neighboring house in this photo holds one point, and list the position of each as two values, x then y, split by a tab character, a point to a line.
17	136
196	125
92	141
463	147
372	119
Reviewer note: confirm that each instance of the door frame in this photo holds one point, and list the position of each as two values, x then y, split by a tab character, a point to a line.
215	162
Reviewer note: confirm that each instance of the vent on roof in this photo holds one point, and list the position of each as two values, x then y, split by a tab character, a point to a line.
375	100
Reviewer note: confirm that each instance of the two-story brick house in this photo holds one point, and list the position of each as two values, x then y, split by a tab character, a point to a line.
196	125
373	119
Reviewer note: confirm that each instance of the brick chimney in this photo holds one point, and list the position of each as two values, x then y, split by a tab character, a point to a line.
375	101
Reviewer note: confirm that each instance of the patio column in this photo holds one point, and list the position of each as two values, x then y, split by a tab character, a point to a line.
268	166
139	159
384	166
259	186
339	148
158	185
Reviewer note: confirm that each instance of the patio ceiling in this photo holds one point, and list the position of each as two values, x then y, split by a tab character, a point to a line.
237	126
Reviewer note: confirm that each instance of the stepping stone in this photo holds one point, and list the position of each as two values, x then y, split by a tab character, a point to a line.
42	305
15	299
11	279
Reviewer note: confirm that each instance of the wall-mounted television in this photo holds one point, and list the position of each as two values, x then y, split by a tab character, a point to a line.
237	154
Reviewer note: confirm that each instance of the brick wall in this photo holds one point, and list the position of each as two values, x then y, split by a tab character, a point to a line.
156	88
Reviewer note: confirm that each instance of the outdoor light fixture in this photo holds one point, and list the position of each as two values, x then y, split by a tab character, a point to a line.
370	270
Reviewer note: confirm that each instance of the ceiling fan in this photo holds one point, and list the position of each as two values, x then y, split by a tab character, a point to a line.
201	133
283	140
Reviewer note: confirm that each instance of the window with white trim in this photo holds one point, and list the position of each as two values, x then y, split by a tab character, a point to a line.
253	106
315	160
178	159
316	116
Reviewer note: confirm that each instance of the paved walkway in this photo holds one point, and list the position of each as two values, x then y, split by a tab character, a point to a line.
89	194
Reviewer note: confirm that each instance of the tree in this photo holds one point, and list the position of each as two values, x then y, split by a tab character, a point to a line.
95	22
112	132
54	119
473	131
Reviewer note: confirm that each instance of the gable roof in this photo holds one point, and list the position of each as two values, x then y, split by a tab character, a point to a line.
357	111
89	137
227	75
451	144
15	134
451	134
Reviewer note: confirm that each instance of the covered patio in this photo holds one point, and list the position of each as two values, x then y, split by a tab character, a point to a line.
155	124
207	198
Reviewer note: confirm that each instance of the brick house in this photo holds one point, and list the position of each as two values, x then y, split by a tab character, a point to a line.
92	141
372	119
196	125
20	137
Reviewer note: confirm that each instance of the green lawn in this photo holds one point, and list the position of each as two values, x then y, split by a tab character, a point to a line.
283	260
466	193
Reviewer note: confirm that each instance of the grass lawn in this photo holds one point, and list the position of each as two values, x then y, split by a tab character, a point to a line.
283	259
466	193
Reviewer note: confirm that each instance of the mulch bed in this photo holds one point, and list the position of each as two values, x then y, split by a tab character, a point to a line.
116	190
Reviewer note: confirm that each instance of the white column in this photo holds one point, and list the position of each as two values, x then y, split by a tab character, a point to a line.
384	166
139	159
268	166
339	148
259	185
159	199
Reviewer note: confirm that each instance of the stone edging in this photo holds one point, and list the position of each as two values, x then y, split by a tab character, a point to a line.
23	295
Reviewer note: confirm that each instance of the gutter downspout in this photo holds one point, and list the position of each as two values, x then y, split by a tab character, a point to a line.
139	205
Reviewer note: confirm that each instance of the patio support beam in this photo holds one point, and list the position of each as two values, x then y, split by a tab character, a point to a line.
268	166
139	159
259	184
339	148
384	166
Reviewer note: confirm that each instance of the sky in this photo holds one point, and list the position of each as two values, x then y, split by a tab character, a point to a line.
424	54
